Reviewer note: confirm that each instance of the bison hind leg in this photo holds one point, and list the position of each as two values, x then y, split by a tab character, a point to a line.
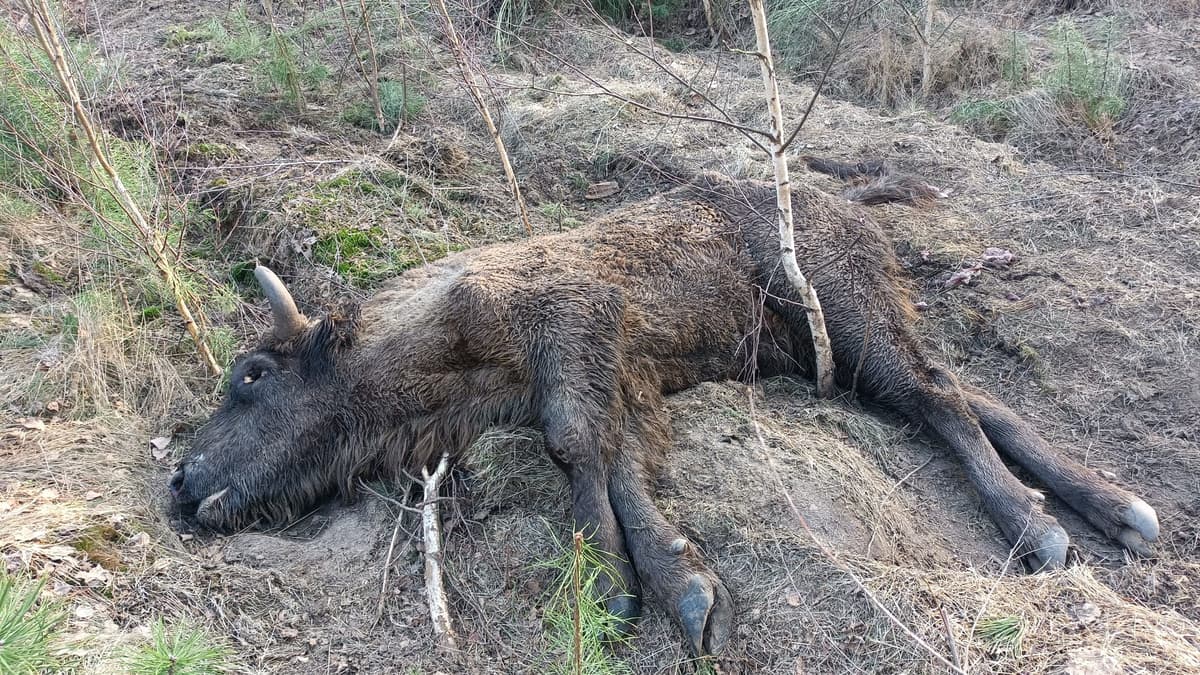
1120	514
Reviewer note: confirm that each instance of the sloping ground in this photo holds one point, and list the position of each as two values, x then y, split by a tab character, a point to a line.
1091	333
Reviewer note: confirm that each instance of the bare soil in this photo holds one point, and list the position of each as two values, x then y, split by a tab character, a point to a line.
1092	333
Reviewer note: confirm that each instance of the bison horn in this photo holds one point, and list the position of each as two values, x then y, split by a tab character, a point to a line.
288	320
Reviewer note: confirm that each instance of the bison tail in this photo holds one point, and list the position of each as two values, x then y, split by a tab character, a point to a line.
889	188
875	183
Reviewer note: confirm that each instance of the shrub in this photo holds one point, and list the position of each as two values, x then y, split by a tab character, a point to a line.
397	101
183	650
1086	81
578	626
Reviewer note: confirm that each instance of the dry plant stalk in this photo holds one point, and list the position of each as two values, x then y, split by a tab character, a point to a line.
431	527
576	617
926	49
822	351
152	242
372	77
468	76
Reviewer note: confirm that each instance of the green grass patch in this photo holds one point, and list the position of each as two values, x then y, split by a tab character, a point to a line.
1091	82
178	36
346	214
27	627
239	38
284	60
578	627
396	101
991	117
559	214
1003	634
184	649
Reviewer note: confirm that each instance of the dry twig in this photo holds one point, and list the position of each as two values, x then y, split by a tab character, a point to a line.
469	80
152	242
431	527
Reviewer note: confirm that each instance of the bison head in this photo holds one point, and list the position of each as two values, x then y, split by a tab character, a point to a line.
268	453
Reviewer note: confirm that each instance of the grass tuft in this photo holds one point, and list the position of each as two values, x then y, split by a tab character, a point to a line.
990	117
397	101
182	650
1003	634
27	626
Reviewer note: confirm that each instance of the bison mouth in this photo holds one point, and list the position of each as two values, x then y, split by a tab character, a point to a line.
217	512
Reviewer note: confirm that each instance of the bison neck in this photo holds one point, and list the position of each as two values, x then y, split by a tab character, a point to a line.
418	396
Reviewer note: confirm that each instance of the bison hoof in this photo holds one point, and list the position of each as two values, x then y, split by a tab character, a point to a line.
1141	527
626	609
706	614
1046	547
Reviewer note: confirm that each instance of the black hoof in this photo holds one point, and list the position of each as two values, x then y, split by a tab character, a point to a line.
706	614
626	609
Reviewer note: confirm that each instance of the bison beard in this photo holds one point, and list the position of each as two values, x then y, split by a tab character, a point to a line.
581	334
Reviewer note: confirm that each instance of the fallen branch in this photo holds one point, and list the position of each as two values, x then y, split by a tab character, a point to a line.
950	637
153	242
387	561
822	350
468	77
431	527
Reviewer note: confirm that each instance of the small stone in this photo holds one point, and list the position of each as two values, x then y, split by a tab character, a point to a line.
1086	613
1092	661
601	190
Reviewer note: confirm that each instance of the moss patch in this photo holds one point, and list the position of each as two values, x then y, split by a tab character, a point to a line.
371	224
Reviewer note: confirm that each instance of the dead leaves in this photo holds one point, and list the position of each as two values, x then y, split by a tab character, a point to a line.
158	447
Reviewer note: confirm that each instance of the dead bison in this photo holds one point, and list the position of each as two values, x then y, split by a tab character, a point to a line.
581	334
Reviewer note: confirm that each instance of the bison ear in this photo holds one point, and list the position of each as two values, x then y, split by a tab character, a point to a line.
320	345
289	322
342	326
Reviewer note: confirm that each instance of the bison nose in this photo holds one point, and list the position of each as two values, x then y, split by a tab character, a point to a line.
176	484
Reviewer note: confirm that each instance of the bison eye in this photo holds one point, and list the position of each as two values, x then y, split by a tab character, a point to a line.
252	374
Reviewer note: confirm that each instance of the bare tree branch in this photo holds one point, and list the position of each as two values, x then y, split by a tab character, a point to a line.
431	527
469	80
822	350
812	101
153	242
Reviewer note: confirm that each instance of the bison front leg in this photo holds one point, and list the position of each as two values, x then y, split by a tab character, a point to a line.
574	440
670	566
573	360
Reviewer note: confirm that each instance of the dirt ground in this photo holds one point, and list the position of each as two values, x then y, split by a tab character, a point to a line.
1092	333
